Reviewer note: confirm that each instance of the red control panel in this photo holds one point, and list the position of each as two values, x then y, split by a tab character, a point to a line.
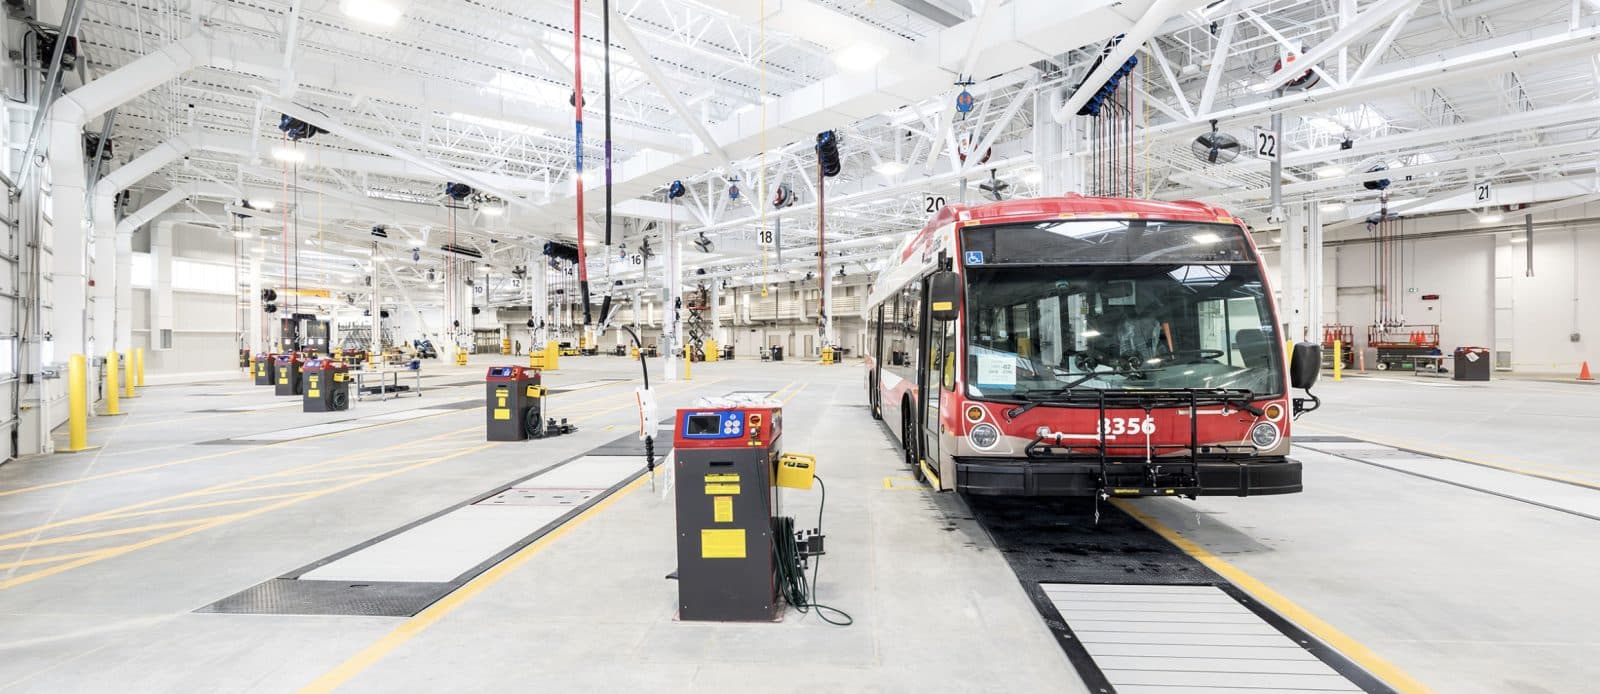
512	373
727	427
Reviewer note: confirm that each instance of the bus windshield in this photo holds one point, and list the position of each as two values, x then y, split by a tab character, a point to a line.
1191	320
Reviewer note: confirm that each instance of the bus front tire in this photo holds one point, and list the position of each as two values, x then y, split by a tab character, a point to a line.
907	444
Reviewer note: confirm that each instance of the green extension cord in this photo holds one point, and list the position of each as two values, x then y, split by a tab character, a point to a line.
792	583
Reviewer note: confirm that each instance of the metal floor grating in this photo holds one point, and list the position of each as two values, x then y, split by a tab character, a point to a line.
286	596
1072	566
1161	638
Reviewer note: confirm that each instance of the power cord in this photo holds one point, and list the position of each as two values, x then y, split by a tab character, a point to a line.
790	560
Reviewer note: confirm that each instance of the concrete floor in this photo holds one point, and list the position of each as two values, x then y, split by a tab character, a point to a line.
1462	590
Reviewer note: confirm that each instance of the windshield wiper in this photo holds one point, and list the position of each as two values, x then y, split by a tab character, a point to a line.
1242	402
1039	397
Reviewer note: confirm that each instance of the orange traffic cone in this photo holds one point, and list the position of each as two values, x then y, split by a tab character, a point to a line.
1583	373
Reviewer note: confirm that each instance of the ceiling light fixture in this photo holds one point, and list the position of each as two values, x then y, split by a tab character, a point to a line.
890	168
1332	207
263	205
288	154
380	12
242	234
1330	171
1490	219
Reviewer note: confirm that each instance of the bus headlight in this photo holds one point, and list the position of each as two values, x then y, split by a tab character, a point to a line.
1264	435
984	436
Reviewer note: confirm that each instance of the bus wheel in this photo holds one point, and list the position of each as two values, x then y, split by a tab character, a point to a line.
874	398
1383	366
906	442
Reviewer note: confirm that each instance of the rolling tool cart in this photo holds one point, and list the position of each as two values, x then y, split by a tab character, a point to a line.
264	368
516	406
286	374
724	465
327	386
514	395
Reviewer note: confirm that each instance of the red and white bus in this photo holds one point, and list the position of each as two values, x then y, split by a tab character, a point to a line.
1082	346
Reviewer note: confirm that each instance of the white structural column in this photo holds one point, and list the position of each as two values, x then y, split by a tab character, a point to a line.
672	292
716	312
252	318
825	285
539	279
1314	278
124	292
160	283
375	303
1292	258
69	251
1047	143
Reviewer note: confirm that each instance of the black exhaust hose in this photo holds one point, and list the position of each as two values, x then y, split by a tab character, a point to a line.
588	315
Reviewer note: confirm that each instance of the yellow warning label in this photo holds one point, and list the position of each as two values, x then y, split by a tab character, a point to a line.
502	414
500	401
715	489
283	380
722	477
533	391
722	509
722	544
313	393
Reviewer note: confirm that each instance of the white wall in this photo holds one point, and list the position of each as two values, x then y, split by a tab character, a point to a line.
1544	310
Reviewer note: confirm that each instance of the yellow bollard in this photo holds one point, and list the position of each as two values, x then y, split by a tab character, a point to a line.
552	355
686	360
1338	360
138	361
113	407
127	376
77	406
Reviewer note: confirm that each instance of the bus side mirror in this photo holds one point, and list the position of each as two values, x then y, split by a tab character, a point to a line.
944	295
1305	364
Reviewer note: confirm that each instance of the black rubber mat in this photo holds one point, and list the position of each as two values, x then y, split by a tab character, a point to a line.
1059	541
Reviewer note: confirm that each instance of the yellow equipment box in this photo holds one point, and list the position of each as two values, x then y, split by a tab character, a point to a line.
796	471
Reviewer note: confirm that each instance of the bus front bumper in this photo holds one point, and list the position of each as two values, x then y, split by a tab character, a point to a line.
1021	477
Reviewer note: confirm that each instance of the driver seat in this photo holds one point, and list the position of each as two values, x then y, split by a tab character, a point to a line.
1253	347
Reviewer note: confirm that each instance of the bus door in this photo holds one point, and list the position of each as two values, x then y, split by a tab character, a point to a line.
930	372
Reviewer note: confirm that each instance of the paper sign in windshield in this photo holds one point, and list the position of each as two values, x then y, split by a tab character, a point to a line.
997	370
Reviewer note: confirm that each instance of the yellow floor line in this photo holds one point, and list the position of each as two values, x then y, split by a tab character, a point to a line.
46	560
358	663
202	492
1288	609
173	509
109	533
223	520
1445	452
242	449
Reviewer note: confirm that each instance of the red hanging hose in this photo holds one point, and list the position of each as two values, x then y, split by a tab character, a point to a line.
577	105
